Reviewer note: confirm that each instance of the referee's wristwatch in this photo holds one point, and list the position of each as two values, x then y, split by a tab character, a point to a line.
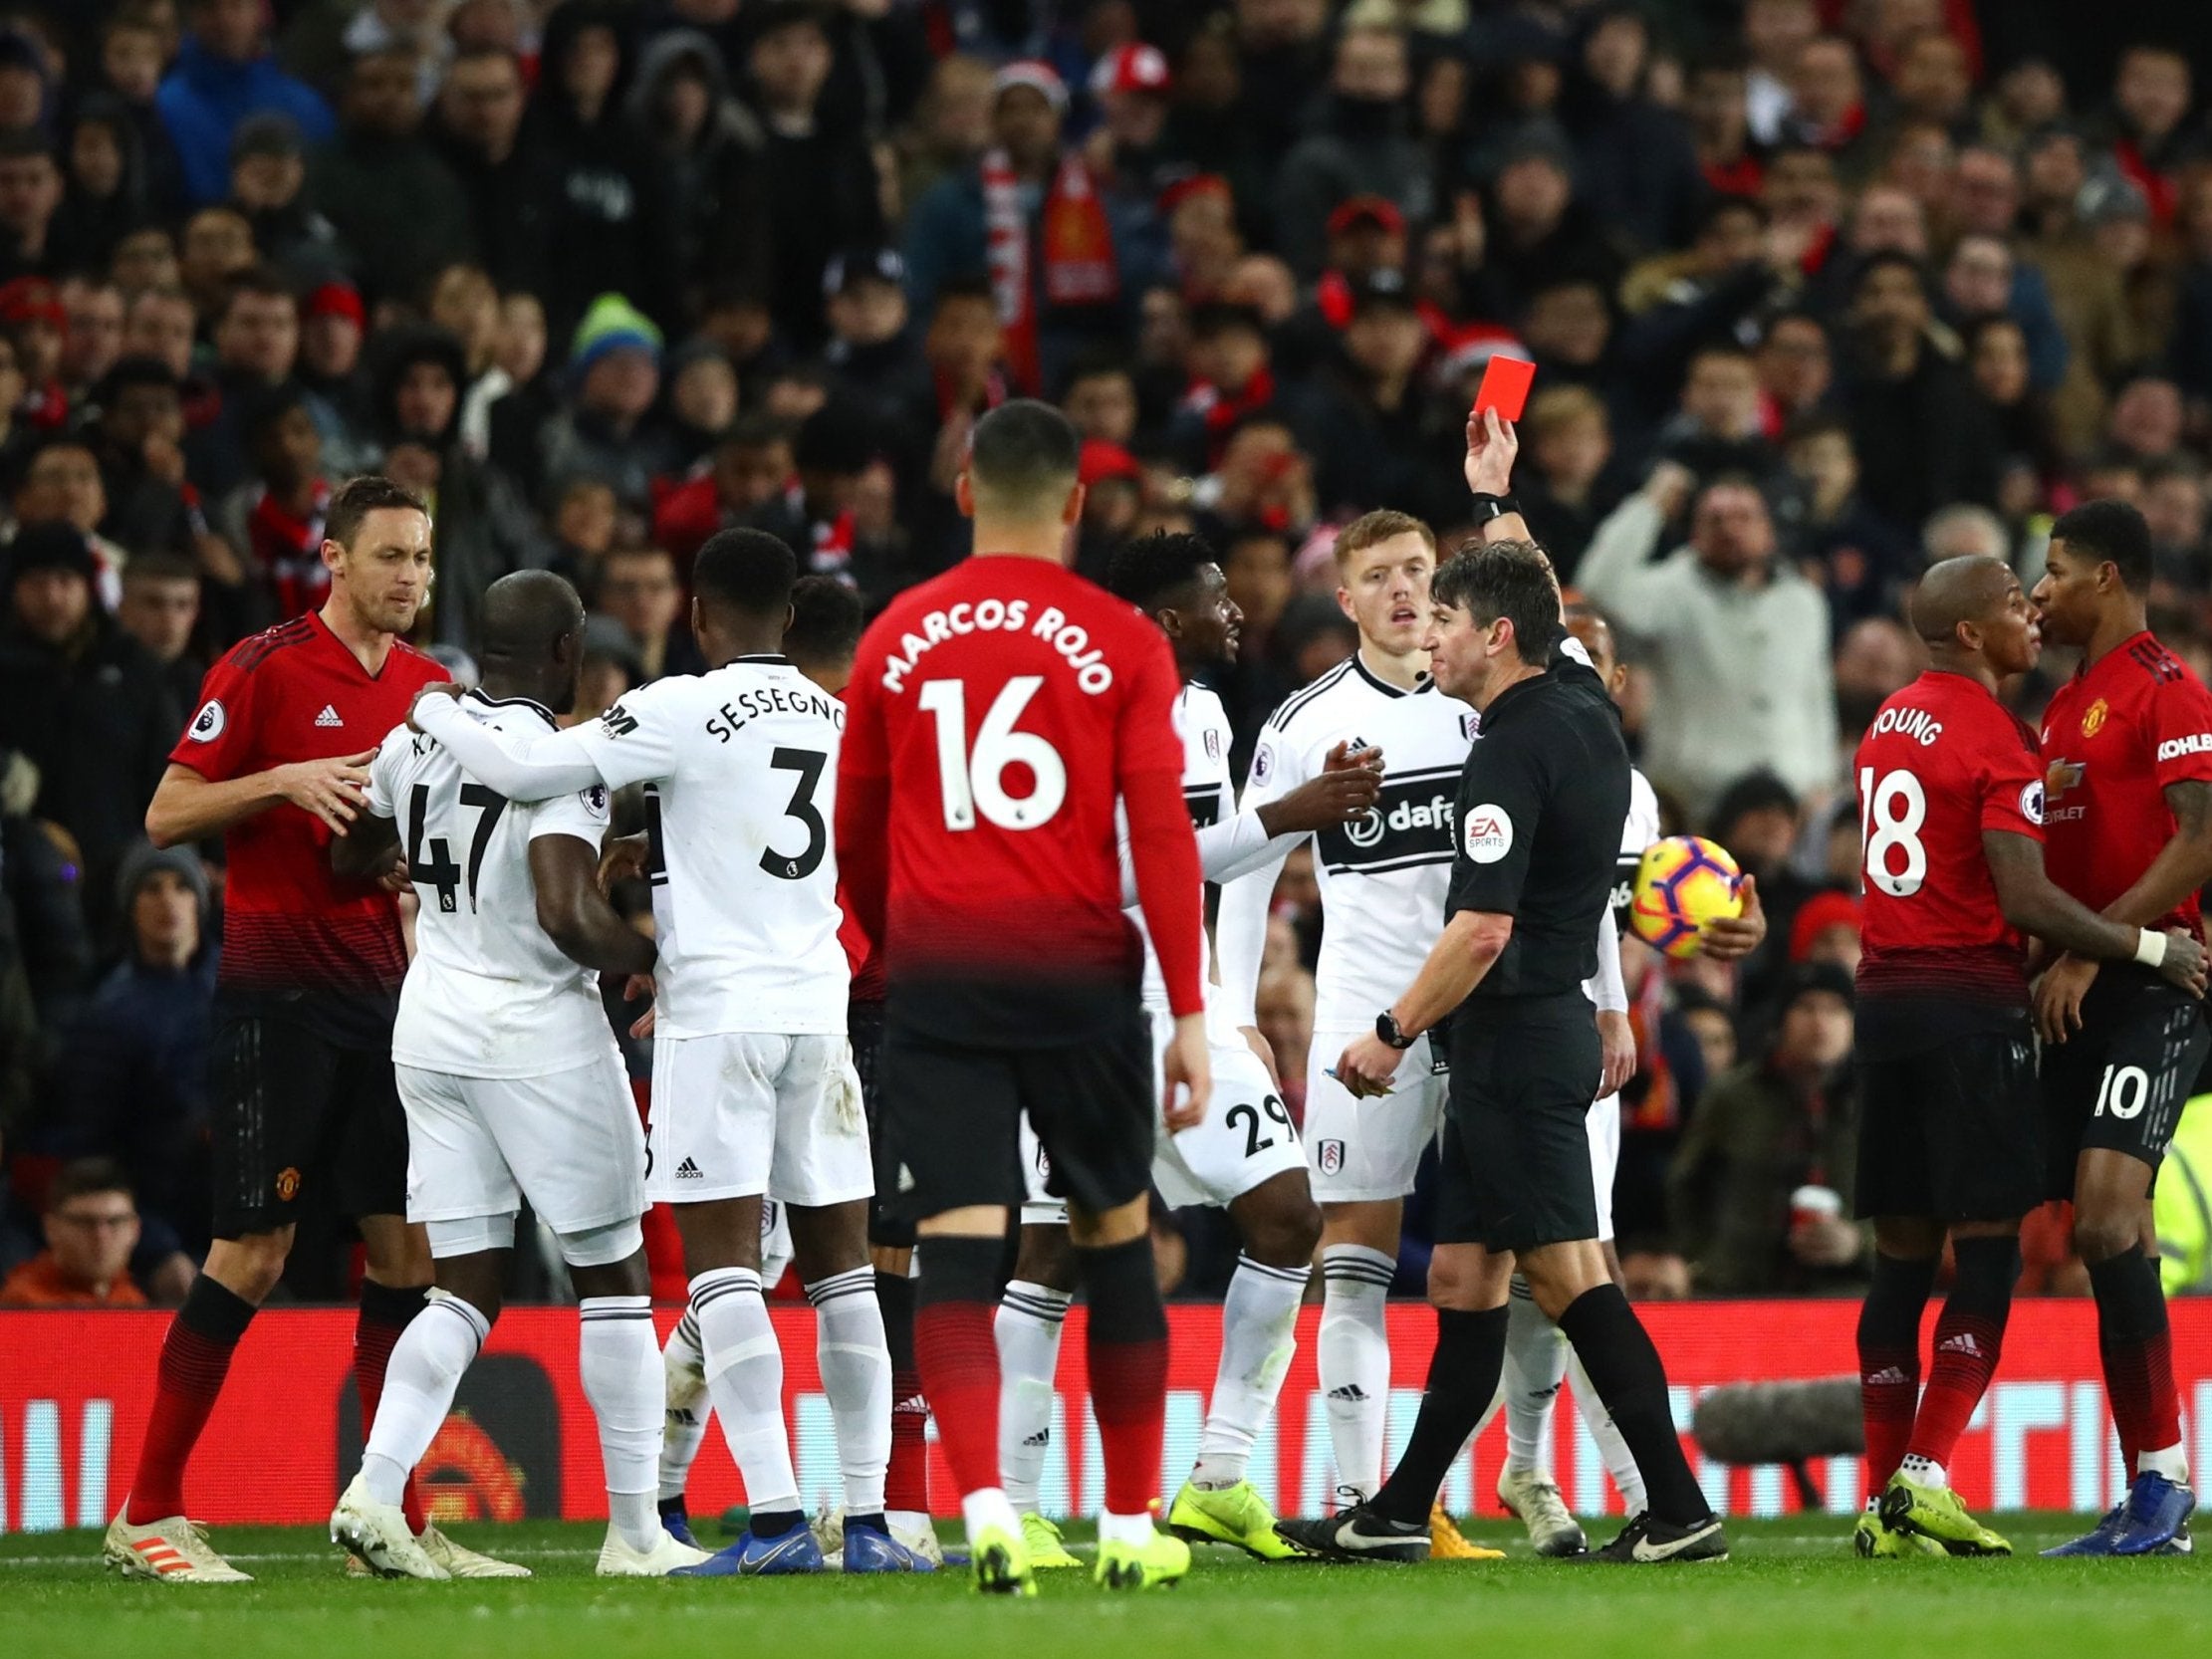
1487	507
1387	1029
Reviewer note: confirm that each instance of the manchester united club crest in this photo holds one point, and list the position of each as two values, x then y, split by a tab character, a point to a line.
288	1185
2093	721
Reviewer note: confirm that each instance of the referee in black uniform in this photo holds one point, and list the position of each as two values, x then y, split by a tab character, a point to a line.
1541	805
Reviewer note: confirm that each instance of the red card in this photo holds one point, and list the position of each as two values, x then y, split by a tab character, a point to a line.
1505	387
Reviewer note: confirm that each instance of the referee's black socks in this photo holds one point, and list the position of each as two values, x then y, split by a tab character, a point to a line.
1624	1368
1462	1380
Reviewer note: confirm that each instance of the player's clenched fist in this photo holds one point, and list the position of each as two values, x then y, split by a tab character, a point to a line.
439	688
1188	1074
333	789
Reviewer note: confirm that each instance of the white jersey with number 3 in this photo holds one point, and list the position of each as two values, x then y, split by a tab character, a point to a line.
744	767
488	994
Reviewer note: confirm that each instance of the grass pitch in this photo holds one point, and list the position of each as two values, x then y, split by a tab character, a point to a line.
1792	1588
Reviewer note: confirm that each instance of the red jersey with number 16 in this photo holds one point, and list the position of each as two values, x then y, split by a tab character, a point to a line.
995	716
290	926
2117	734
1942	761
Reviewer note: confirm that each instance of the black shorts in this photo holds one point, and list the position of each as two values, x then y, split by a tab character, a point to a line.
953	1114
863	1022
298	1122
2121	1080
1953	1131
1515	1169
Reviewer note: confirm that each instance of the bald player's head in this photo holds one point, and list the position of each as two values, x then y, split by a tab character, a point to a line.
533	638
1974	607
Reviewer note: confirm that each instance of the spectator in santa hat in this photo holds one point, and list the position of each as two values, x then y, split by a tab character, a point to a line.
1130	86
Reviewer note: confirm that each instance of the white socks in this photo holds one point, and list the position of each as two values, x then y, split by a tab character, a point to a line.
857	1376
683	1427
1354	1354
1259	1333
2169	1461
426	1366
1028	1330
621	1378
1534	1367
745	1380
1620	1463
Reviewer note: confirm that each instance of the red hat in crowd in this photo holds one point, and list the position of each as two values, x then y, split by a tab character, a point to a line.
1818	914
1101	460
1196	184
33	300
1135	68
336	299
1378	211
1040	77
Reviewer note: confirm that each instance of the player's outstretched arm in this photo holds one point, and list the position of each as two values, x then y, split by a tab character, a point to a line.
519	765
189	806
2032	904
1491	446
576	915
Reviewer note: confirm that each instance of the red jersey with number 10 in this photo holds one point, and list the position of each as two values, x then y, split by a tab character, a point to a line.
995	716
2117	734
1942	761
290	926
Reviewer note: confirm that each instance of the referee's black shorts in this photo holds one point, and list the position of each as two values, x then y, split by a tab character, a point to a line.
299	1121
953	1113
1952	1130
2121	1082
1514	1171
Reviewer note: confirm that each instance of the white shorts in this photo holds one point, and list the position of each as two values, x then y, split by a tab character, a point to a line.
739	1113
1603	1121
569	1143
1363	1151
1246	1136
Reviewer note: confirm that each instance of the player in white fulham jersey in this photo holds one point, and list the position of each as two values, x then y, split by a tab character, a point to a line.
1244	1157
1383	879
512	1085
753	1083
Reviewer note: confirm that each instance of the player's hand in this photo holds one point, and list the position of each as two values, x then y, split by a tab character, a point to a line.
437	688
1368	1066
1617	1039
1189	1070
1260	1046
1491	448
1345	757
636	986
623	858
1825	1242
2059	996
1338	794
396	878
2185	962
1735	937
1669	486
332	790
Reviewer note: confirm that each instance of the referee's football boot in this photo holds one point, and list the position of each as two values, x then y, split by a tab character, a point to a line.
1359	1534
1935	1511
1533	1498
1650	1541
1234	1515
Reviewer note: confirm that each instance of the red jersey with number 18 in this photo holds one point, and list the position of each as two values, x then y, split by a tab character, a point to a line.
995	716
2114	736
1942	761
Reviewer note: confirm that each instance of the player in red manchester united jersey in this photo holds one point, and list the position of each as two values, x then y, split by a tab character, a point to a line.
995	717
1950	806
2127	757
306	1111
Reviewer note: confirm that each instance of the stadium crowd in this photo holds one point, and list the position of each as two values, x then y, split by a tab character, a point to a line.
1817	291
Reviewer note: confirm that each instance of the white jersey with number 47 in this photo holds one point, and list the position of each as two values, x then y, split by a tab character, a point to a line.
488	994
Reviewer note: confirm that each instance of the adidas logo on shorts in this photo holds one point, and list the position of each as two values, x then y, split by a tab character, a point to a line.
1350	1391
328	717
1043	1437
689	1171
